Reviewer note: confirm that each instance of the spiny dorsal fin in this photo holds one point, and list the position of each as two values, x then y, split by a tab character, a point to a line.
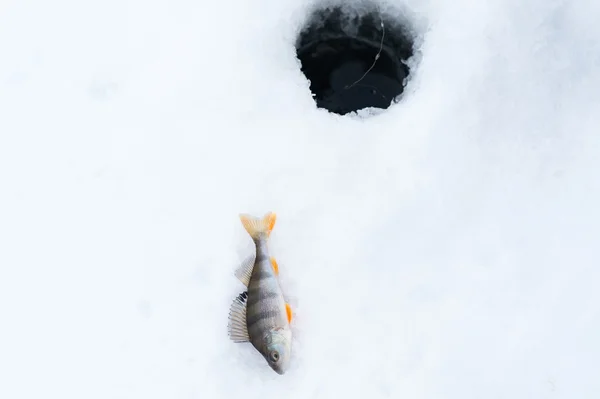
244	271
237	328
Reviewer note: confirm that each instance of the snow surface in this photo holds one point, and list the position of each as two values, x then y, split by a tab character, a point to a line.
446	248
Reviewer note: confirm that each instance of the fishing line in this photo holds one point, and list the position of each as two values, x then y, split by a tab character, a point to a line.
376	55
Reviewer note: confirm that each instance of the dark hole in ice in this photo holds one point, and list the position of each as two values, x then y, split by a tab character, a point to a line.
354	60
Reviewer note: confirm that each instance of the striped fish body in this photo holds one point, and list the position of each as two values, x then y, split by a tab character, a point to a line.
261	315
265	307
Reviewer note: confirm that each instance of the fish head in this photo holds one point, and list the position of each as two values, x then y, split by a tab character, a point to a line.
278	348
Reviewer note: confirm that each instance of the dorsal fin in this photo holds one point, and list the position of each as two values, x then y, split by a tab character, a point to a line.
244	271
237	327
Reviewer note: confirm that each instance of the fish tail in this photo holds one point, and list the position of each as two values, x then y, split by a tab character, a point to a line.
256	226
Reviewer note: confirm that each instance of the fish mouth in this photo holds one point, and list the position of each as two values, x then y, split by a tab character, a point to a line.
278	368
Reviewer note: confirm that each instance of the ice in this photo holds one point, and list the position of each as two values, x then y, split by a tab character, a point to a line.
445	248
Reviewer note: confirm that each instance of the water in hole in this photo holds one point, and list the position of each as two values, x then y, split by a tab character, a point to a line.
353	62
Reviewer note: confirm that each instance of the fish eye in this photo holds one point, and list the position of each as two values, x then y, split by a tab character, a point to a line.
275	356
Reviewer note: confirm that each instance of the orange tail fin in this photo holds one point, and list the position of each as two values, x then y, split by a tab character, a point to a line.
256	226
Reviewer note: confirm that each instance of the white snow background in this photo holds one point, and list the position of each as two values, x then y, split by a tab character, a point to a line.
446	248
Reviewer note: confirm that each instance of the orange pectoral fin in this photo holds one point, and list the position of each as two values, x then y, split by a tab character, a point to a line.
275	266
288	310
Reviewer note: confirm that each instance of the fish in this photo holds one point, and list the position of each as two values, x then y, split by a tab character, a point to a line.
260	314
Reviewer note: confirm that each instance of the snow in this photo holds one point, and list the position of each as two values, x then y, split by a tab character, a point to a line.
446	248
